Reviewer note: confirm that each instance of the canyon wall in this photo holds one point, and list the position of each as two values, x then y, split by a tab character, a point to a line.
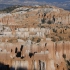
35	16
36	38
46	55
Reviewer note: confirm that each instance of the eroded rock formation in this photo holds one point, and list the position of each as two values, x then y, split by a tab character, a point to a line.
33	16
45	55
35	38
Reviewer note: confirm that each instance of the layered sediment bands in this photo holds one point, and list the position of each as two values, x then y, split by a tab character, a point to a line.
35	16
35	38
7	19
50	56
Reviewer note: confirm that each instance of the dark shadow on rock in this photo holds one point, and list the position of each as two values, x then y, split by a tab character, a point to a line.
21	68
4	67
12	68
31	54
18	54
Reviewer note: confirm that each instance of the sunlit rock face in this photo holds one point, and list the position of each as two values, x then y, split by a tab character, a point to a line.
53	55
33	16
35	38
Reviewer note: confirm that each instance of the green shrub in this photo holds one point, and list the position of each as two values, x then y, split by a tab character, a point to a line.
43	20
38	40
10	9
50	22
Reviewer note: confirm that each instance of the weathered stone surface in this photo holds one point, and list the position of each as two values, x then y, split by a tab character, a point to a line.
38	39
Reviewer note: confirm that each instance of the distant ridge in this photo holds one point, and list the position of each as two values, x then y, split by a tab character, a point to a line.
10	8
64	5
3	6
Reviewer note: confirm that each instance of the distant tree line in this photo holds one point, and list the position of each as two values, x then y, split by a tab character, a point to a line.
10	9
